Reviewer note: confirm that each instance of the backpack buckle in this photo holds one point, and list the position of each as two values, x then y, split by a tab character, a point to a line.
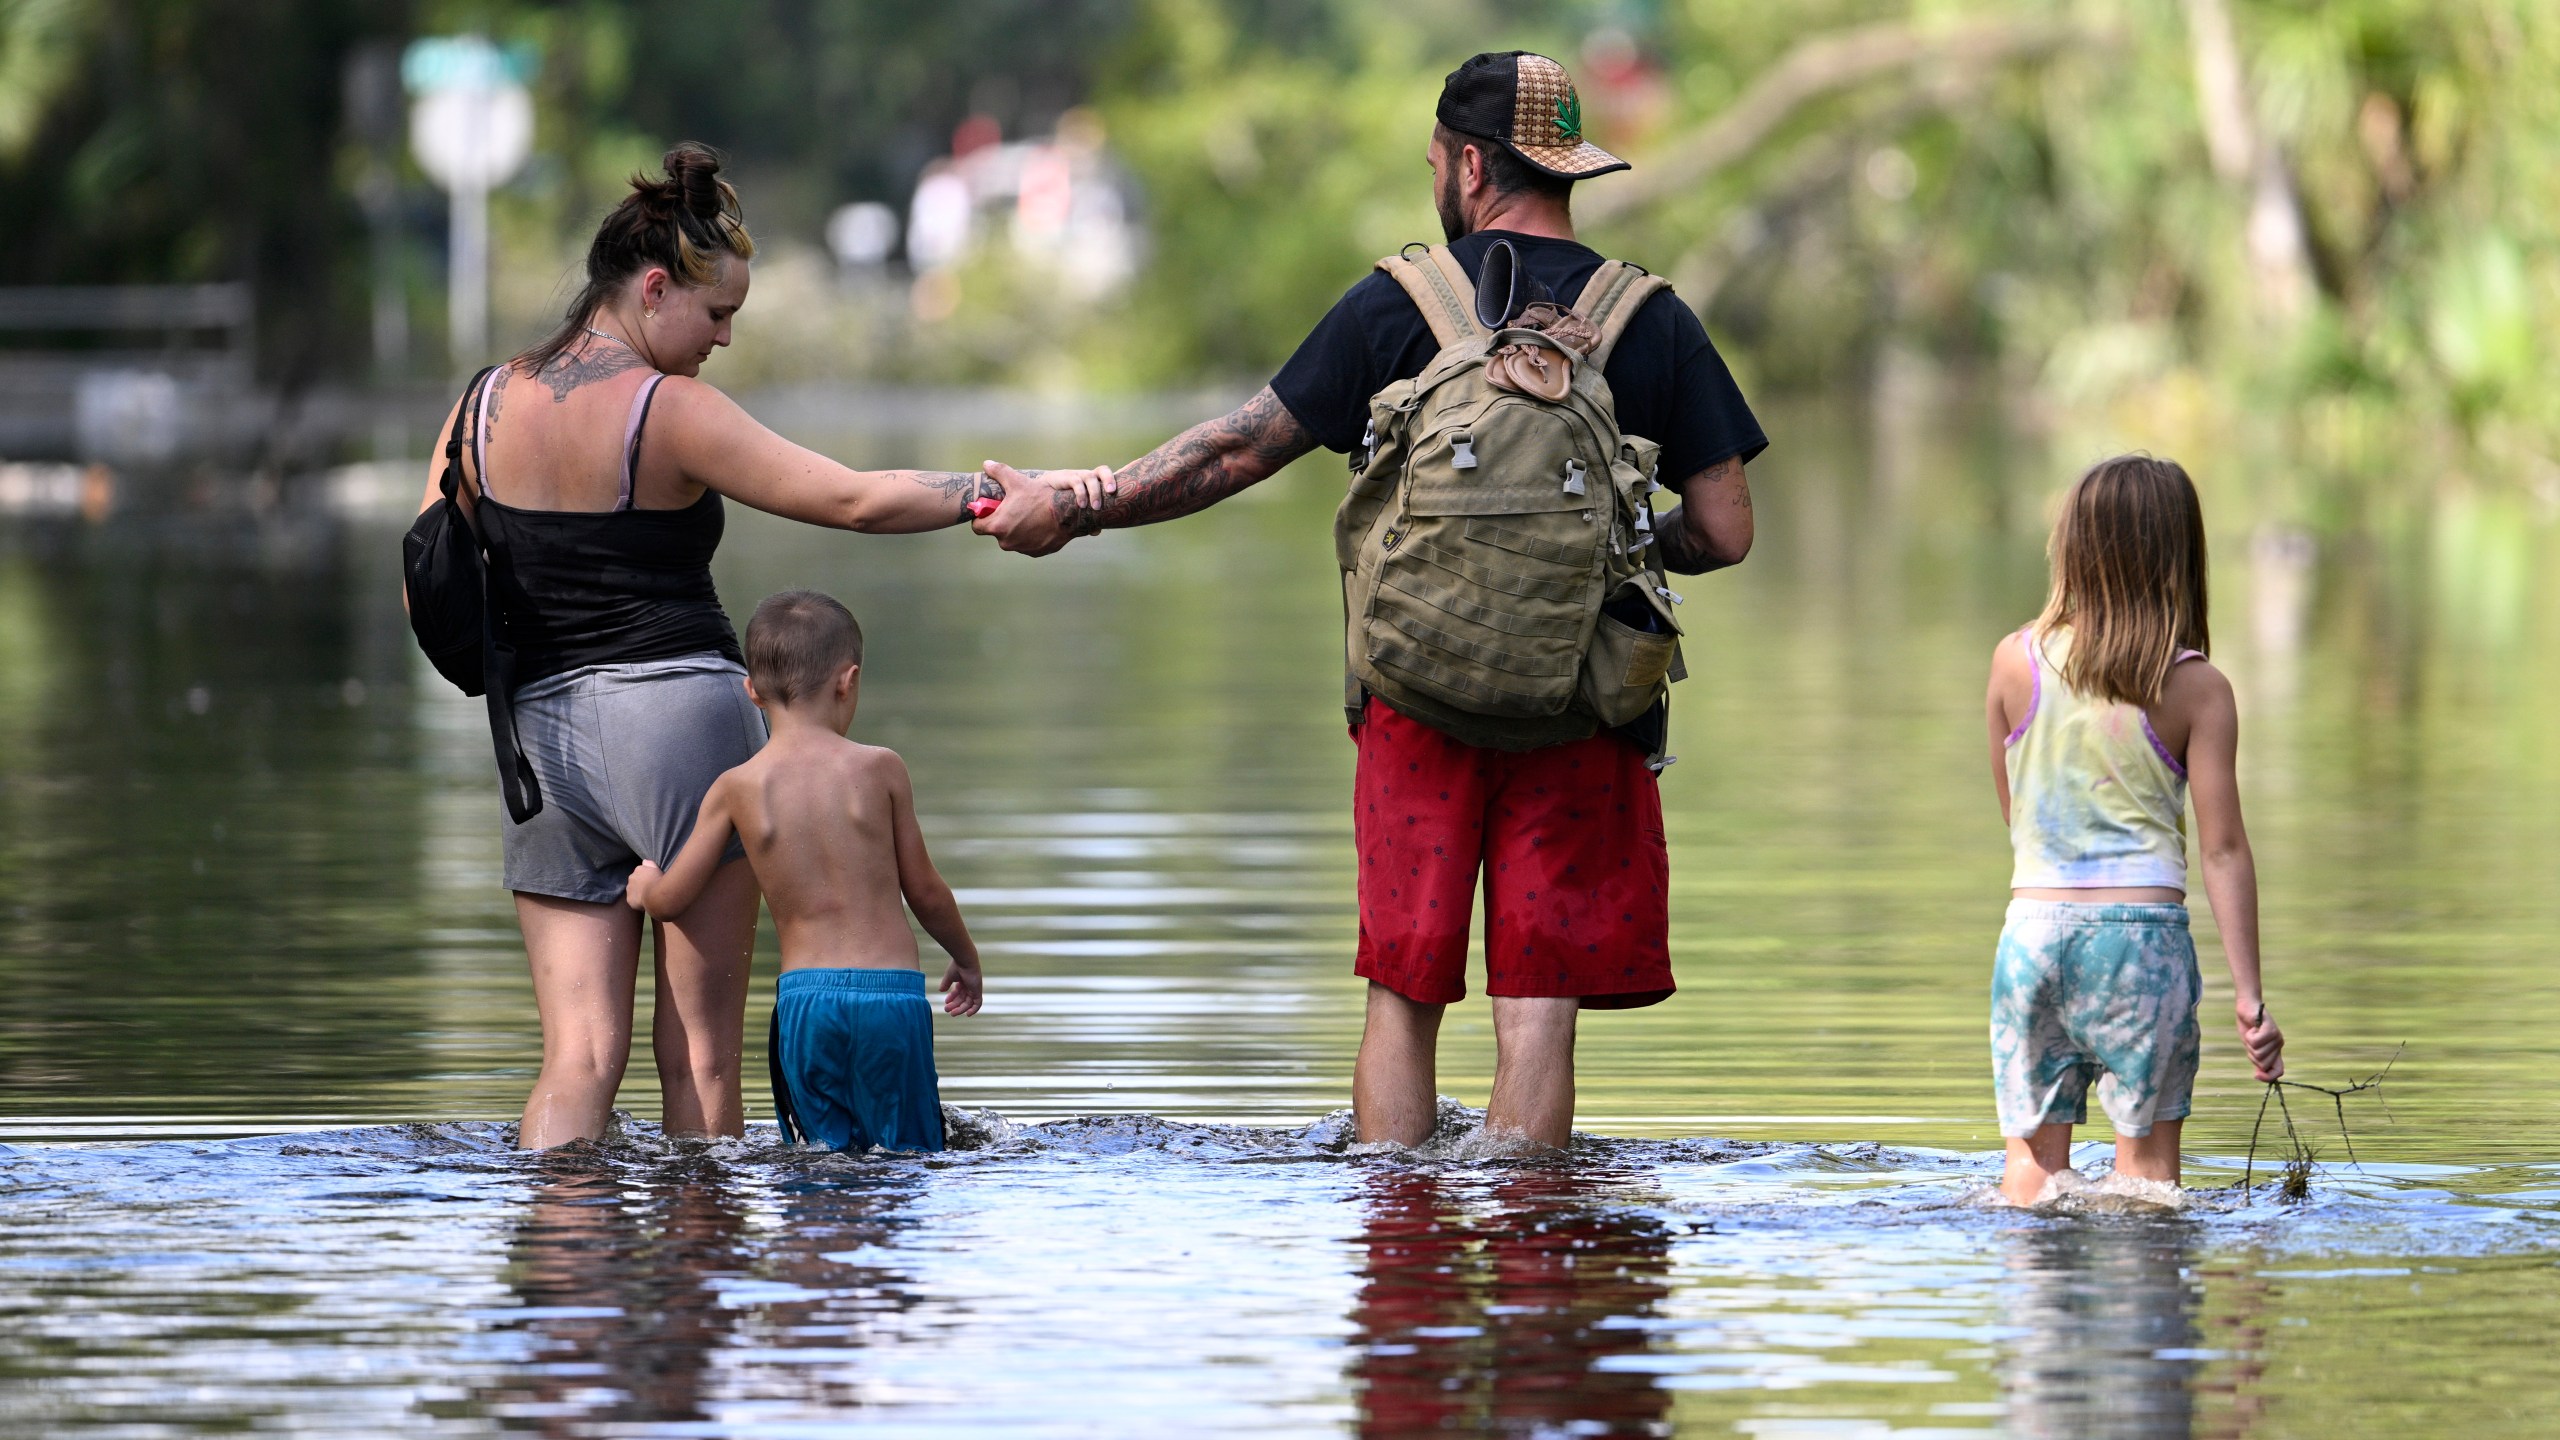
1667	593
1463	447
1573	478
1644	519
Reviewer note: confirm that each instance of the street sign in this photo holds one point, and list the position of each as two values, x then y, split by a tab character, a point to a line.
472	139
471	127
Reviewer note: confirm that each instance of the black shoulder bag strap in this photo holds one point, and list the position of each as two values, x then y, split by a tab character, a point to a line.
497	661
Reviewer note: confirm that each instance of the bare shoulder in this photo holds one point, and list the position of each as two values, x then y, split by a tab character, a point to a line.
740	783
2012	673
2009	657
684	402
877	763
2196	688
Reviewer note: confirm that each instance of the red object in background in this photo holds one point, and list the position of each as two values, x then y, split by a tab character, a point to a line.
975	133
983	506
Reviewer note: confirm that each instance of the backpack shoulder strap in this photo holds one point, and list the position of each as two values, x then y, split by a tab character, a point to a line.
453	443
1441	291
1611	298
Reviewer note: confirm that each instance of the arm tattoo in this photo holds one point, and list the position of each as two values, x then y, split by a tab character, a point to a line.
1197	468
957	488
586	366
1683	549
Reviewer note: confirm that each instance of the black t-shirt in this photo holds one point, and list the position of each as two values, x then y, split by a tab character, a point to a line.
1670	385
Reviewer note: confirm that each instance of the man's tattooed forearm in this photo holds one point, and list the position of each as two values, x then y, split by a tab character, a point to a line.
1679	546
1203	465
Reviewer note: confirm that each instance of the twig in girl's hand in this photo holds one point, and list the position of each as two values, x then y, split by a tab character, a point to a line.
2298	1166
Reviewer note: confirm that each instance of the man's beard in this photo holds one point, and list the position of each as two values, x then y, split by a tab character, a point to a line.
1453	221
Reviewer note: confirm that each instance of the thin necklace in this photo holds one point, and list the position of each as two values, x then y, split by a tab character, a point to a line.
616	339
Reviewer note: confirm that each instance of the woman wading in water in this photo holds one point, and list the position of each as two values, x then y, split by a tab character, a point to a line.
595	464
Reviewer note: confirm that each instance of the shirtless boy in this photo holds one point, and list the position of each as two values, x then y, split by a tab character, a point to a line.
830	829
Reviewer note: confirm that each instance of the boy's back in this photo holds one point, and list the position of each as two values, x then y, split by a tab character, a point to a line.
822	817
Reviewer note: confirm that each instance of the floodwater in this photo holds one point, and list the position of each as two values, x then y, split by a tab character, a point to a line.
263	1017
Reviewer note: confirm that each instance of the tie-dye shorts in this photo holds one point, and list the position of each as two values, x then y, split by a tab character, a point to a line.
2094	992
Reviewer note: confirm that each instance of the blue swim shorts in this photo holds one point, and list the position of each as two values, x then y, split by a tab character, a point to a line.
852	1057
2094	992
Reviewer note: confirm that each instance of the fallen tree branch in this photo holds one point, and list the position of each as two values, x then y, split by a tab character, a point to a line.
1812	70
1796	183
2298	1166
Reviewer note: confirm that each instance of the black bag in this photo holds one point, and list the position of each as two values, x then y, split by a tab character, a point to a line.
442	566
445	566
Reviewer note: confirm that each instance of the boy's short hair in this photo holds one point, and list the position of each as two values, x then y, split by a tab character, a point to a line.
796	643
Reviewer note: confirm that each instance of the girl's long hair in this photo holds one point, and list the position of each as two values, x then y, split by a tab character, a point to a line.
2128	577
686	224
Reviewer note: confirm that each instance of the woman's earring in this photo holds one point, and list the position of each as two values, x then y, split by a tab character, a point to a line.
648	314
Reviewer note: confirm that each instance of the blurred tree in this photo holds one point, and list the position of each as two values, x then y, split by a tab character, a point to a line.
1281	146
2334	221
816	101
190	140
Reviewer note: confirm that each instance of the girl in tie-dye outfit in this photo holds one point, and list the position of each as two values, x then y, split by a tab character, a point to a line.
2103	714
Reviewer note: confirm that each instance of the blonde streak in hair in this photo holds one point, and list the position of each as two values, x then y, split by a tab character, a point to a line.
2158	643
2166	616
693	267
2093	600
2176	608
2122	659
2129	670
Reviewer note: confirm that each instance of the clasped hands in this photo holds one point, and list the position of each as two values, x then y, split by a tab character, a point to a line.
1045	509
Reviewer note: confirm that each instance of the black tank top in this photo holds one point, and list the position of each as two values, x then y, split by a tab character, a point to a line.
583	587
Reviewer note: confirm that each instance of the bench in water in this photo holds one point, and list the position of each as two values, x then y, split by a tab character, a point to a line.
127	374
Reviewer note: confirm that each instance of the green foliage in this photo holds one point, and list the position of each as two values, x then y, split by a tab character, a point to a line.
2053	217
2050	217
39	46
1281	151
189	140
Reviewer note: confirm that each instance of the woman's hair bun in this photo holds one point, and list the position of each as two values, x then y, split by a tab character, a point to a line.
689	222
693	173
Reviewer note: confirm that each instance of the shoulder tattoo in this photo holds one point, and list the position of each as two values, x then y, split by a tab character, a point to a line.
587	365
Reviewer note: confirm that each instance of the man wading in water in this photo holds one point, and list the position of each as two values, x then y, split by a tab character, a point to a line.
1510	635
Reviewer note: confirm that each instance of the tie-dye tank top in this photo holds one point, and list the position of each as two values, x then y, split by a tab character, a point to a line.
2095	800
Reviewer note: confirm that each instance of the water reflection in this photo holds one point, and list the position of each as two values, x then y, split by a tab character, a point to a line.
688	1290
1499	1311
620	1284
2107	1338
827	1293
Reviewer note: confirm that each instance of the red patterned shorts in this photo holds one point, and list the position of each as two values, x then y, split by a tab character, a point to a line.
1569	839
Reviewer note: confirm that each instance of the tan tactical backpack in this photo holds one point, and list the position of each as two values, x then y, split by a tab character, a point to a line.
1494	508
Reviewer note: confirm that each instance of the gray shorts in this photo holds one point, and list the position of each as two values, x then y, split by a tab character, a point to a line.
624	754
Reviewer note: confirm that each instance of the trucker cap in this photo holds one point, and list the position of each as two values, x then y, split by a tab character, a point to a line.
1525	101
